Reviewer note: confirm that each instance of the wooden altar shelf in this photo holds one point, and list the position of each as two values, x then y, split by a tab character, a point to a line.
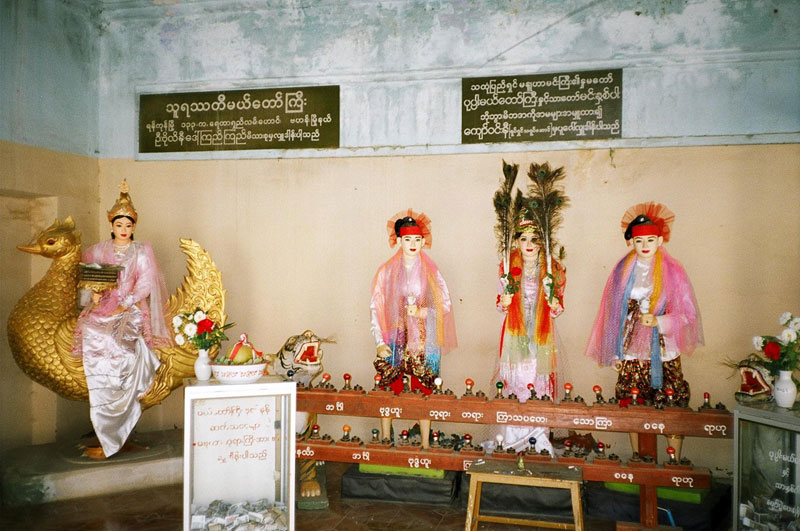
714	423
647	421
416	457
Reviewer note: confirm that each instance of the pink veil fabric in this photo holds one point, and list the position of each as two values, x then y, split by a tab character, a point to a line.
681	313
141	282
434	295
676	304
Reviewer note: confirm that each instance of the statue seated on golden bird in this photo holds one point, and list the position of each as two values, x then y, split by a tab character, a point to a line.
59	345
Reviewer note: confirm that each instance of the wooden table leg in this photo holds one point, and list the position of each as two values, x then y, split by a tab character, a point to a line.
476	514
473	483
577	506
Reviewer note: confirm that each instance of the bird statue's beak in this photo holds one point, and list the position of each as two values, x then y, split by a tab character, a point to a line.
33	248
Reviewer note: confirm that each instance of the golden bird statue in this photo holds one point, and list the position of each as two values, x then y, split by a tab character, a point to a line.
41	325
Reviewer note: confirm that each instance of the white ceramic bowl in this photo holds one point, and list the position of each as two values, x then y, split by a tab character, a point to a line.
238	374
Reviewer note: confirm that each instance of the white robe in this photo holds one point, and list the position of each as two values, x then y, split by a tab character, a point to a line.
119	365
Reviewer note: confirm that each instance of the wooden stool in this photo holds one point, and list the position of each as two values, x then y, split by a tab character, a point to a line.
534	475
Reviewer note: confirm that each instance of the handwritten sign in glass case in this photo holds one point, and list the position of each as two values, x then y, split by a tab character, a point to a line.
239	454
766	469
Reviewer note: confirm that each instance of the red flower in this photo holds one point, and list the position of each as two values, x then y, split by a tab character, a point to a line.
772	350
516	271
206	325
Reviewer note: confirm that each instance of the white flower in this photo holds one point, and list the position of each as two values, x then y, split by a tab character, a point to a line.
177	329
179	339
199	315
794	324
758	343
788	335
190	329
177	321
784	318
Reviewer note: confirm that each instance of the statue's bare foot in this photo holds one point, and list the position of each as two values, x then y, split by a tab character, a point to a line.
94	452
310	488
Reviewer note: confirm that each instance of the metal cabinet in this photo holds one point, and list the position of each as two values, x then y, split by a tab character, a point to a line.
766	471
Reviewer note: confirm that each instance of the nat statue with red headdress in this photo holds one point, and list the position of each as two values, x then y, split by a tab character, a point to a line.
411	312
648	315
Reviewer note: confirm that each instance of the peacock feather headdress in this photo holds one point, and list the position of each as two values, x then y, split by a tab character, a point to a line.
508	209
544	204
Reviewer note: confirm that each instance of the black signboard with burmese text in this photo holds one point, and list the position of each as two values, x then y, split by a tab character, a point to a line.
541	108
282	118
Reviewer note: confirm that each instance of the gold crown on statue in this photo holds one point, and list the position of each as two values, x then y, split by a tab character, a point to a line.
123	206
525	224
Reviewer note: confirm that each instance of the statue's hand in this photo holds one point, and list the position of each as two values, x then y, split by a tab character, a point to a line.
415	311
547	284
648	319
505	300
383	351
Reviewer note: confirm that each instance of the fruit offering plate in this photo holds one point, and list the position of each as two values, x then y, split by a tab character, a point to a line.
238	374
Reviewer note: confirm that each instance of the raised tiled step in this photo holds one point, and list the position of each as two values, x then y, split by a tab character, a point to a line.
57	471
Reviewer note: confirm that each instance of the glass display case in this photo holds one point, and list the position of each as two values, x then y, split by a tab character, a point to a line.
239	445
766	472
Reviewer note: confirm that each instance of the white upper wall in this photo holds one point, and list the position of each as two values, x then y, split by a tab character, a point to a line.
695	71
48	74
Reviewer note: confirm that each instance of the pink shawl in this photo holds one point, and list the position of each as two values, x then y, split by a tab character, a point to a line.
676	303
389	289
140	283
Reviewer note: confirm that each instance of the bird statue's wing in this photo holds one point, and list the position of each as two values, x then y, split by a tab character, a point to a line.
71	370
201	288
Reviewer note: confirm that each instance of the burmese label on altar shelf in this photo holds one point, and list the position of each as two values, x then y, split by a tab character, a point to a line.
543	107
281	118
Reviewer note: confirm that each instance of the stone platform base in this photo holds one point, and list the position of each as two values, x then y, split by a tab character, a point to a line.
57	471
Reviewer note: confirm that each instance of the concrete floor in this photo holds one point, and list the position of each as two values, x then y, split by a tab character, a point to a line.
160	509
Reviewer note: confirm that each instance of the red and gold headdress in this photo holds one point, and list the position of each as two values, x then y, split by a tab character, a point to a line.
647	219
123	206
526	224
418	223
